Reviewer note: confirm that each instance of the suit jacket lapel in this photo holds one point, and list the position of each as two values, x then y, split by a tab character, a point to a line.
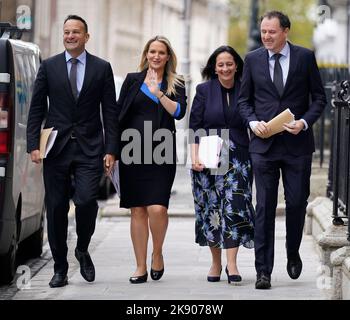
266	66
88	76
62	65
163	88
292	65
216	99
234	100
133	89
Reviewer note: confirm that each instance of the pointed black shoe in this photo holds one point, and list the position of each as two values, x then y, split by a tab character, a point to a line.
58	280
214	278
263	282
294	266
87	269
156	274
233	278
139	279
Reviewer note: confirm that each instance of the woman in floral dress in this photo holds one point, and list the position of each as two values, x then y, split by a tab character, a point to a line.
223	200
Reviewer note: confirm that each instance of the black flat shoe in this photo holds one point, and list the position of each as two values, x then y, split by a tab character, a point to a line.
139	279
87	269
214	278
263	282
233	278
58	280
156	274
294	266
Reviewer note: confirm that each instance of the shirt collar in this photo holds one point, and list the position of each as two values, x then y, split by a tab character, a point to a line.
284	52
81	58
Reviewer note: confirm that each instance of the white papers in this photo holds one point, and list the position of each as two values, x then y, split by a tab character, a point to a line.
114	176
209	151
47	140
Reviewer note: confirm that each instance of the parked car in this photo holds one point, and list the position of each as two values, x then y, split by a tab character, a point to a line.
106	188
21	184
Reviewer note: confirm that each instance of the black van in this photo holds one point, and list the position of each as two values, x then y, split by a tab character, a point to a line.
21	183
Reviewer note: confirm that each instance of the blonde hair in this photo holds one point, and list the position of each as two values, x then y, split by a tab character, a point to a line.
170	68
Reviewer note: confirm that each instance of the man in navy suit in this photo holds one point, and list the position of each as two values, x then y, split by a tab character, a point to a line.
277	76
76	84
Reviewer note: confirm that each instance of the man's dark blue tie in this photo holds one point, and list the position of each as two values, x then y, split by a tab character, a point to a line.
277	74
73	77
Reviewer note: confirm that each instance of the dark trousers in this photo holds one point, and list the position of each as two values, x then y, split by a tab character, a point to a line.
296	171
71	166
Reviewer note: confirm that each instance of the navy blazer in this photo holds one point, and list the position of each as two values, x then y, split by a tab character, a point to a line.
303	94
131	86
207	111
67	115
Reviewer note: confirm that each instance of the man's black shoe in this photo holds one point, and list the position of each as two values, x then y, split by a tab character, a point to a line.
294	266
87	268
58	280
262	282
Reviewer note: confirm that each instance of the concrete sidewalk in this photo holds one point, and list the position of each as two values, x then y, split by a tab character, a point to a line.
186	264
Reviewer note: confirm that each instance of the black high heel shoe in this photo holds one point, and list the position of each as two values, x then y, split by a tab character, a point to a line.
214	278
233	278
139	279
156	274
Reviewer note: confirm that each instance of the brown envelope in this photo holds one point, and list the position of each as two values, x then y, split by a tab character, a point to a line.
276	124
44	137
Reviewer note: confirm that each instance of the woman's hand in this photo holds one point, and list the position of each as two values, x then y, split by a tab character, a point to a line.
197	167
152	82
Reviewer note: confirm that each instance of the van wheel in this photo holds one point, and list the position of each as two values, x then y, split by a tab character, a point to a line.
8	262
32	247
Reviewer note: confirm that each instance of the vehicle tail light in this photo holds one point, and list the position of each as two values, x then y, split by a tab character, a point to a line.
4	124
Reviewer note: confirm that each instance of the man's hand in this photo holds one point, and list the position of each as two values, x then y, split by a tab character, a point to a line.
35	156
108	160
294	127
261	129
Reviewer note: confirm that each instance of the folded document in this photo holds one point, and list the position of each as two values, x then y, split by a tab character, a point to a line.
114	176
276	124
47	139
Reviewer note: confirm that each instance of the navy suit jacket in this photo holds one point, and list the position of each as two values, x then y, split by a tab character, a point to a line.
207	111
67	115
303	94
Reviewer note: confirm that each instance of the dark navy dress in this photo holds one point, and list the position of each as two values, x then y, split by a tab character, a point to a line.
144	183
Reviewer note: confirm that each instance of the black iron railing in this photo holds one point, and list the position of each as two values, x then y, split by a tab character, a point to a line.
331	78
339	173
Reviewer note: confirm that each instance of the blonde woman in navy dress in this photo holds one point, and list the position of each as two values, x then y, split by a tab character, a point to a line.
224	212
156	96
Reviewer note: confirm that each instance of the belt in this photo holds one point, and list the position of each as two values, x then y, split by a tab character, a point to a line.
72	136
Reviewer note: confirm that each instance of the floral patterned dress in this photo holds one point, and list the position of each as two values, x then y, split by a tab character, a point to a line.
223	203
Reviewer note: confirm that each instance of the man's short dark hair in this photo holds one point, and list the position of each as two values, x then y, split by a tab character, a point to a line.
75	17
283	18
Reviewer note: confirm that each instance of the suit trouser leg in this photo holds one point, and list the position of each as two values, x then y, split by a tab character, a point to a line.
57	191
266	175
296	173
87	172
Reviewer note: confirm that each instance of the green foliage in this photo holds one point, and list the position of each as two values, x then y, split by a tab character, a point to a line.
297	10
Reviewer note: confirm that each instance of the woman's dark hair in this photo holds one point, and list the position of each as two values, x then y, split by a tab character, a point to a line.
75	17
208	71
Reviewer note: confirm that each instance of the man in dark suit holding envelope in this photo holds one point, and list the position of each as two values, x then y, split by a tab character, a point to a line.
76	84
278	76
